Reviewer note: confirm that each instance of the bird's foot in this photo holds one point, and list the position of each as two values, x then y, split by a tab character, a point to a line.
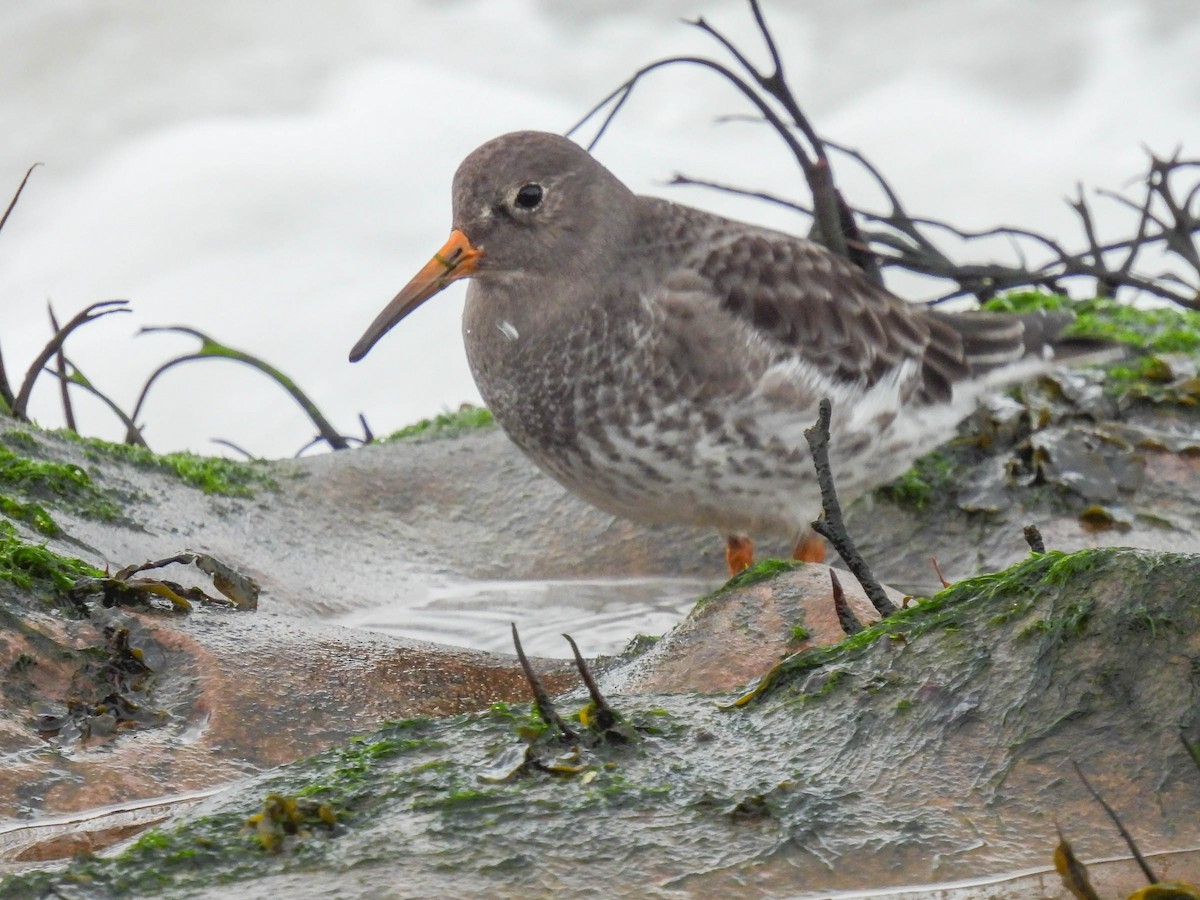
739	553
810	548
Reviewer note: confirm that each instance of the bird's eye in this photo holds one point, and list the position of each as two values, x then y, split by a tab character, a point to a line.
529	196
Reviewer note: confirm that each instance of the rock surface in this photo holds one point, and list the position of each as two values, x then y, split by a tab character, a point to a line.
933	747
958	770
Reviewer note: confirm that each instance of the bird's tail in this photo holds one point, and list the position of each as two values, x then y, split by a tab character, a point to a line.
997	340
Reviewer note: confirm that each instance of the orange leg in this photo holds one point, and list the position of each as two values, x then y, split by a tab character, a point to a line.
811	548
739	553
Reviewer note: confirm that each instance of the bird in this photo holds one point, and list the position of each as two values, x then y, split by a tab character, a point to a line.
662	362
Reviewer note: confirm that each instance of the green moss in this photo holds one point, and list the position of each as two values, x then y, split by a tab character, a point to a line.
349	784
943	611
1065	568
20	440
760	571
1070	624
448	424
799	633
211	474
930	476
65	484
152	840
1019	607
29	513
1149	333
1158	330
34	568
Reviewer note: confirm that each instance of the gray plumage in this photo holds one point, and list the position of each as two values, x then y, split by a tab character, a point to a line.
663	362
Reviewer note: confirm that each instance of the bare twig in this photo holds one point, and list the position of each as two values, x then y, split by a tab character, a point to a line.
1033	537
831	525
545	705
16	196
845	615
687	181
938	570
95	311
605	716
900	239
6	395
236	448
210	349
1137	854
133	434
60	365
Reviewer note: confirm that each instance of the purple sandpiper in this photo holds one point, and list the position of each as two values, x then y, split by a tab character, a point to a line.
662	362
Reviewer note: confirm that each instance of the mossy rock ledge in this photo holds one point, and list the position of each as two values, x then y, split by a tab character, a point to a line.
935	746
932	747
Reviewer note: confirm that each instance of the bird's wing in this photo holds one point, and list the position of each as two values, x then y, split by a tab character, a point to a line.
804	301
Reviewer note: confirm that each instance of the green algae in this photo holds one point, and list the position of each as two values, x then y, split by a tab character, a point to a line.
210	474
950	609
1156	330
763	570
1151	334
31	514
930	477
712	788
447	424
344	781
32	567
62	483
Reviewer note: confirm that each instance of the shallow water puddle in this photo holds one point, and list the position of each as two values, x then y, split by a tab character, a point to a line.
602	614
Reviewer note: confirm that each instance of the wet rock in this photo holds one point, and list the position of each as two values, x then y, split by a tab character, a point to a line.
738	633
241	691
934	747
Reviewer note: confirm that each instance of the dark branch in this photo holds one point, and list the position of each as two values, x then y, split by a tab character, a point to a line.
210	349
831	525
133	434
95	311
605	716
545	705
1128	838
13	202
845	615
60	365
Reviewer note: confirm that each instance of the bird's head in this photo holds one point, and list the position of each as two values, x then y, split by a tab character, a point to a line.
526	205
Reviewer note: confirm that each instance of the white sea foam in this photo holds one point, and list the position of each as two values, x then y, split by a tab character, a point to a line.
273	180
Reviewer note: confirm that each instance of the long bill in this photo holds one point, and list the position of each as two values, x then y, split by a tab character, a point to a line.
457	259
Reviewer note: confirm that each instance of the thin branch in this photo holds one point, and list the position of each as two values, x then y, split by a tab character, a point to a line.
1137	854
236	448
93	312
133	434
845	615
831	524
816	175
6	394
60	365
605	716
546	708
687	181
210	349
16	196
